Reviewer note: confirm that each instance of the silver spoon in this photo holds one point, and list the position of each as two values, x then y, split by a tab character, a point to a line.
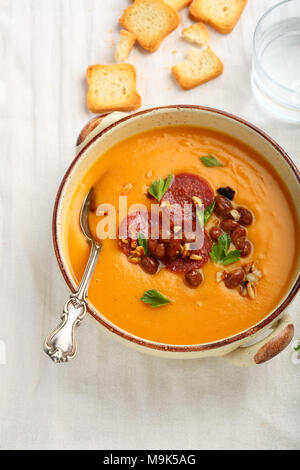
61	344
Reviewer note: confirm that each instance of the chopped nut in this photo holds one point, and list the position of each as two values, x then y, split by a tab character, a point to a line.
177	229
252	267
166	204
196	257
149	174
249	268
134	244
258	273
187	247
234	213
126	189
251	290
140	250
220	275
133	259
186	250
243	290
197	201
251	277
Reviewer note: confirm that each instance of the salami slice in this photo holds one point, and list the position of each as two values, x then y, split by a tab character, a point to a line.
177	258
178	200
187	185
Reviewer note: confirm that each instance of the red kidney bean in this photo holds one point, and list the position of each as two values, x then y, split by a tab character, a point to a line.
229	225
246	249
234	278
238	236
156	248
240	243
215	232
152	245
194	278
160	251
222	206
149	264
173	248
246	218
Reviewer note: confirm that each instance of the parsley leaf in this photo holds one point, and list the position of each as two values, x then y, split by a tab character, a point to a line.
224	242
219	252
200	216
232	257
215	253
208	211
297	348
160	187
155	298
142	241
210	161
204	216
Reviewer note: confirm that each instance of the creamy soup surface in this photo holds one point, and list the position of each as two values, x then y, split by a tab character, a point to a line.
210	312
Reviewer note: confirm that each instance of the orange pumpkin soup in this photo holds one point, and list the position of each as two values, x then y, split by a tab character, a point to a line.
211	309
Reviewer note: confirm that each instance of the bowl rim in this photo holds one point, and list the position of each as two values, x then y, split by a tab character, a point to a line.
129	336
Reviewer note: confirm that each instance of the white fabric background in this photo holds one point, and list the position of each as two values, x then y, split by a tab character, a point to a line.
110	396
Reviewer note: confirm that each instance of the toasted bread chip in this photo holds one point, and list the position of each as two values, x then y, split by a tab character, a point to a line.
199	67
125	45
112	87
178	4
196	34
150	21
221	14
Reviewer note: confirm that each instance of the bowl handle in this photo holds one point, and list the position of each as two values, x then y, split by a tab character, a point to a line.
266	349
96	125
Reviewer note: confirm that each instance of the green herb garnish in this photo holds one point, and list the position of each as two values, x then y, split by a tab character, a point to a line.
208	211
142	241
210	160
200	217
155	298
160	187
219	252
297	348
204	216
232	257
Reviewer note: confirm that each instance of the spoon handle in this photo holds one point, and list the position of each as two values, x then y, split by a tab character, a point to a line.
61	344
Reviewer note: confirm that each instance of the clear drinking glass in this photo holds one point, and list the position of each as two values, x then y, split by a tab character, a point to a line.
276	60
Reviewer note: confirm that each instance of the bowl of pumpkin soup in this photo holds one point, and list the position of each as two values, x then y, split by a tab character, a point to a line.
198	212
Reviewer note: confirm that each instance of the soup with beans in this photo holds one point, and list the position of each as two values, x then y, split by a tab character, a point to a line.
224	260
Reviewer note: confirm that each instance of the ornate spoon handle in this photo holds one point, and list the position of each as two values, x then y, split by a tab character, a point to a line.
61	345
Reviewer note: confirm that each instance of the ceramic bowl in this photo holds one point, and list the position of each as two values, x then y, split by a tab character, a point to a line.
263	340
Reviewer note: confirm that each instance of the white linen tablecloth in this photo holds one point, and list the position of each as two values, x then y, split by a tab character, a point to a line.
110	396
